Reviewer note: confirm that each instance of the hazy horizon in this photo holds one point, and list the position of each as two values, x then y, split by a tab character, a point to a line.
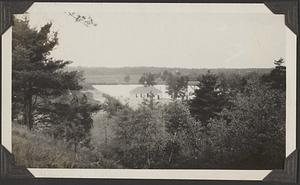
72	66
165	35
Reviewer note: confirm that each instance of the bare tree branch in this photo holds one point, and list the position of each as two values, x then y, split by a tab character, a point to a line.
85	20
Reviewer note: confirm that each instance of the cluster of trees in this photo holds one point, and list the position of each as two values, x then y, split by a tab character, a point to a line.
148	79
45	96
235	122
177	84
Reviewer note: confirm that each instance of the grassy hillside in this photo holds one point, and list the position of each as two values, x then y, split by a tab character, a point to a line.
53	153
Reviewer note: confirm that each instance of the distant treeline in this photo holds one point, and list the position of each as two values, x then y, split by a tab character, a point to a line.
105	75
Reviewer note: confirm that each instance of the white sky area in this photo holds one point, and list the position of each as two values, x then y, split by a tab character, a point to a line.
165	35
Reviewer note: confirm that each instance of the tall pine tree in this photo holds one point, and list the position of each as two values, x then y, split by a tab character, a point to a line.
35	75
209	99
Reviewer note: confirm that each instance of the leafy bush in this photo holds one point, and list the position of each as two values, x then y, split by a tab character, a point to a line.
186	134
252	133
139	138
164	137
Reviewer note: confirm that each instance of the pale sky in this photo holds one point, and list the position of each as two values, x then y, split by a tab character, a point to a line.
165	35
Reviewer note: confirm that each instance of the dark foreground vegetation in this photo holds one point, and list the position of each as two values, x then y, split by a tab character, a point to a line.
234	121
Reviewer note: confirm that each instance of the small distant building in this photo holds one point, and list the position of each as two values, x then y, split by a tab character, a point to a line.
146	92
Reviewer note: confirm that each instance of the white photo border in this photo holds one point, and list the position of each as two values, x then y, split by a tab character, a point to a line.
201	174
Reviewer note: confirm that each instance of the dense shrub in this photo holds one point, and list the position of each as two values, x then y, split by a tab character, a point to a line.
252	133
181	127
139	138
164	137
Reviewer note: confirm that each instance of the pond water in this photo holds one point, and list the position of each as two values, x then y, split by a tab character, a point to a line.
123	91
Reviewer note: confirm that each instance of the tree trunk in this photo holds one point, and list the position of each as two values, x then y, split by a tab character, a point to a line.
105	134
170	157
148	157
75	155
151	101
28	117
172	149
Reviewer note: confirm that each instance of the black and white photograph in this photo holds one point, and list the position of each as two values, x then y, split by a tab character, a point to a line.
149	86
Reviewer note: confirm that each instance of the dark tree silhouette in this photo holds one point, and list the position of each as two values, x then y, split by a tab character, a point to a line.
148	79
177	85
277	77
34	74
209	99
127	78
